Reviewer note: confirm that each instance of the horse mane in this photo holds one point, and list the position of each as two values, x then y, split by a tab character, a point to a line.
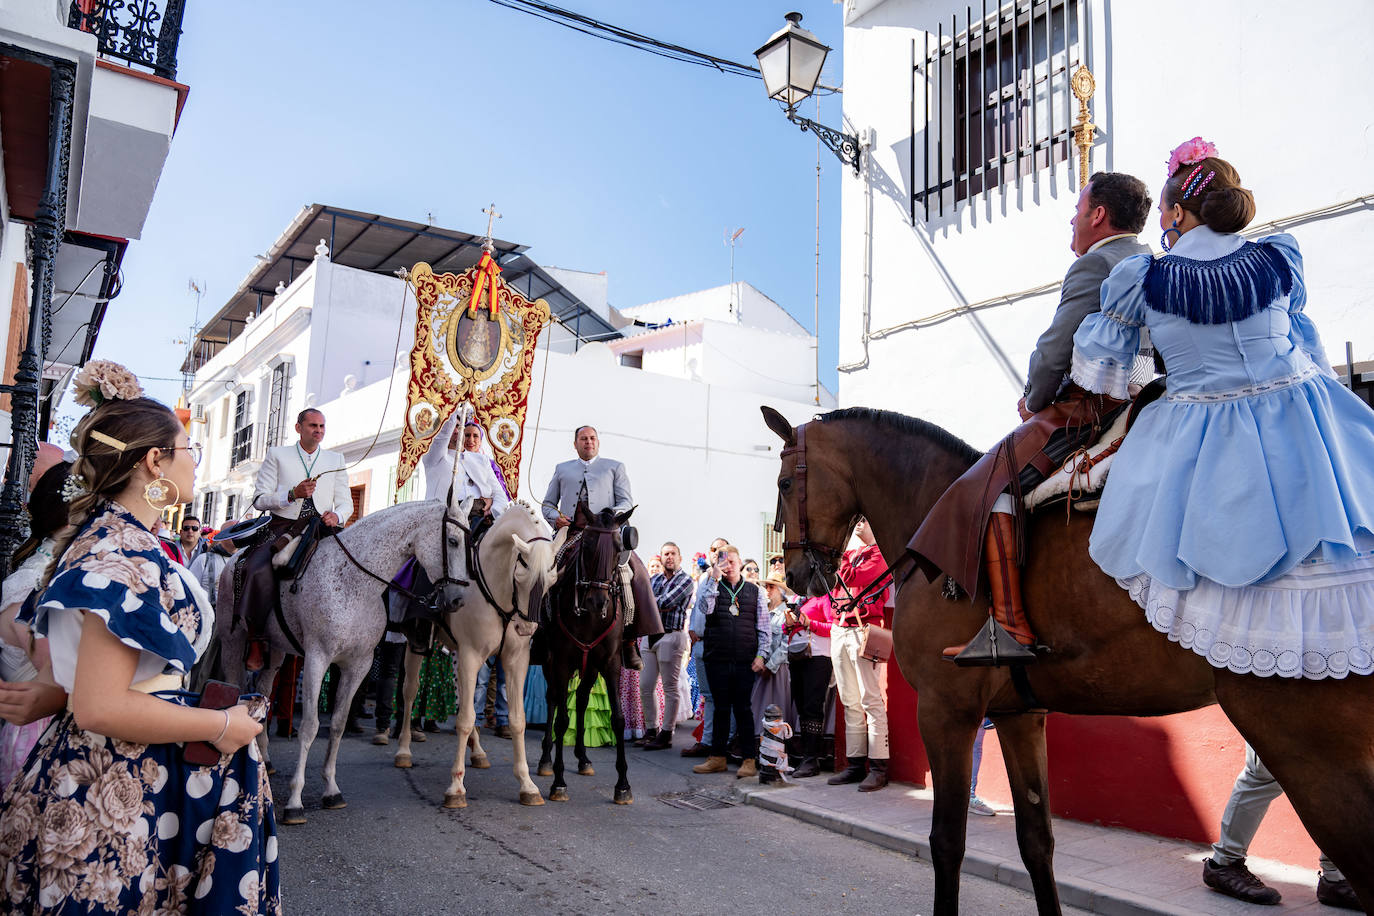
898	422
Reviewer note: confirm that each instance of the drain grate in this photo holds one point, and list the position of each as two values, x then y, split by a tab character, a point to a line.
694	801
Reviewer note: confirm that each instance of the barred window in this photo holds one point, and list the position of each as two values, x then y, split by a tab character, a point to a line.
207	509
230	504
996	104
243	430
276	404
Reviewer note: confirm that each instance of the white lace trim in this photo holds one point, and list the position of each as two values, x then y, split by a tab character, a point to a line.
1316	622
1102	375
1249	391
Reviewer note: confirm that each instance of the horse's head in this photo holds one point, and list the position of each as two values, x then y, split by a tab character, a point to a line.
440	547
600	553
533	573
817	505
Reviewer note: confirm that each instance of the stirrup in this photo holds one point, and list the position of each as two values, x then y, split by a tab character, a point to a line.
994	647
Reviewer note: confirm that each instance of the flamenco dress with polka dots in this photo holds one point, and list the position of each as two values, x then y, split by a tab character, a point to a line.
93	824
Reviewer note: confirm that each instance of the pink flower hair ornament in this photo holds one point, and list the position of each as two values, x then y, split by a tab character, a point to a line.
1189	152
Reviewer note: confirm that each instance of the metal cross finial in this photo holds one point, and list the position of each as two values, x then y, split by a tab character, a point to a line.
492	217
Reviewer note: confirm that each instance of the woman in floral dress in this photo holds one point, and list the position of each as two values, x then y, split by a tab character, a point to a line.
107	816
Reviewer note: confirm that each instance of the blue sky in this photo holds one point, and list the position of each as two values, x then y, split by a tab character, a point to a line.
600	157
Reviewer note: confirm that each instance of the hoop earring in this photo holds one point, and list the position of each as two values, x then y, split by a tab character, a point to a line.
1164	238
156	492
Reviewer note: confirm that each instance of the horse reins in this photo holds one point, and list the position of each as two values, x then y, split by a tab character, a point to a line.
809	549
506	615
610	586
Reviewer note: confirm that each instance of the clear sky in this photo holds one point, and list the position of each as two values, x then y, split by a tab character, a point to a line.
600	157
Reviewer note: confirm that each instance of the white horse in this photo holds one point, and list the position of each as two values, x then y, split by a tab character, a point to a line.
515	561
335	610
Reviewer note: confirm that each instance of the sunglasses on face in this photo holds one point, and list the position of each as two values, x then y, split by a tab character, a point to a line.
190	527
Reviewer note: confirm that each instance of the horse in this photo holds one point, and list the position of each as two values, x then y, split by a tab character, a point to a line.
334	609
588	622
513	571
1106	659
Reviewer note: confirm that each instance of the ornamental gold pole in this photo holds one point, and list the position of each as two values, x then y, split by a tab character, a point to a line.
1085	130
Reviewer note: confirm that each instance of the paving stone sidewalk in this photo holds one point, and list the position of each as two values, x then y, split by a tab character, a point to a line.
1100	869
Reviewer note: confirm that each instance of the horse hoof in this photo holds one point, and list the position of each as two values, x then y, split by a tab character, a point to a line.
292	816
559	794
402	761
624	797
586	769
545	769
531	799
333	802
480	762
455	800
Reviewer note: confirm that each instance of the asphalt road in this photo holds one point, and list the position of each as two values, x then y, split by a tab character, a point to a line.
394	850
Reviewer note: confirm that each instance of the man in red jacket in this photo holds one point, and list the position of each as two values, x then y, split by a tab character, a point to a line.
856	678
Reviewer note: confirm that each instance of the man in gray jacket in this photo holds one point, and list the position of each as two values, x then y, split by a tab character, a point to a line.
971	533
607	486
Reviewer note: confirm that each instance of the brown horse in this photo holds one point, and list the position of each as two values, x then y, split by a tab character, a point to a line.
1317	737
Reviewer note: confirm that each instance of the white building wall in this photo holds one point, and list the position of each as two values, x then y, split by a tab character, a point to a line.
737	303
764	361
1235	95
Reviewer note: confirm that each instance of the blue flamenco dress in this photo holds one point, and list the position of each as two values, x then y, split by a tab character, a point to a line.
1239	512
93	824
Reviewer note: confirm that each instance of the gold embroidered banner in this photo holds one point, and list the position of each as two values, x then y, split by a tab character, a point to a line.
466	354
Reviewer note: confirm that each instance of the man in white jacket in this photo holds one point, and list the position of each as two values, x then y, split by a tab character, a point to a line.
297	483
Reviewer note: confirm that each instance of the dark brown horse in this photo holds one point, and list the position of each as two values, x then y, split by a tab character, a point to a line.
587	613
1317	737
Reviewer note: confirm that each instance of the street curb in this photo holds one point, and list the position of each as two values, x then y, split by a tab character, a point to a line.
1076	892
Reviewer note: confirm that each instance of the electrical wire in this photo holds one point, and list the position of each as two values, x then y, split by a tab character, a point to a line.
638	41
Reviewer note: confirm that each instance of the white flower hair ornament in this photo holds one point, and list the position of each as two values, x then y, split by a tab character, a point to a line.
73	488
102	380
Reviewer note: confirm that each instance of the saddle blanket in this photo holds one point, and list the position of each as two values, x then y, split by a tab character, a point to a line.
1083	475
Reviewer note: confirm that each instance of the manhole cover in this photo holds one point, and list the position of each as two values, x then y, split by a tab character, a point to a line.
696	802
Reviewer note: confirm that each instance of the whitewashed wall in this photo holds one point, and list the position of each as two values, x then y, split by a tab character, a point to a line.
1282	90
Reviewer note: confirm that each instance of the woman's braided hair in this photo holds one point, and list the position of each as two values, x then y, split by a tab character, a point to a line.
104	469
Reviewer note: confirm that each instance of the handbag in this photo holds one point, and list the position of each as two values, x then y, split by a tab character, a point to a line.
877	646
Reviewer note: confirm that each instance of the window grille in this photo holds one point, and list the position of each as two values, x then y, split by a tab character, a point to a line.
995	103
276	404
243	431
207	509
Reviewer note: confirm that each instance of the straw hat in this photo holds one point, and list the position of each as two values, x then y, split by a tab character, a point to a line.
778	580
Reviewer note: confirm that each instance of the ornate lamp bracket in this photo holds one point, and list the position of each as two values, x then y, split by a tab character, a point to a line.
845	146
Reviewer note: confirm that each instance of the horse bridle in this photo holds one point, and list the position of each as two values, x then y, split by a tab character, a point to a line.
812	551
610	585
443	552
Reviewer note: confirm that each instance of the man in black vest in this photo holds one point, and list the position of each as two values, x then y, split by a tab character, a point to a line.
731	619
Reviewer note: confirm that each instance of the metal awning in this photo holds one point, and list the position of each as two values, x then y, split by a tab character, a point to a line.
365	241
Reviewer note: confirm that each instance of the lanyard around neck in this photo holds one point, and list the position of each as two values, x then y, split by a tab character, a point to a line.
309	468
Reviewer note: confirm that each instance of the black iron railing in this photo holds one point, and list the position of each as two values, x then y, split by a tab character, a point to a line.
141	32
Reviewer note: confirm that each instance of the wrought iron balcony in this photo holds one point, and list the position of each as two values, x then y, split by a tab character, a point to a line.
142	32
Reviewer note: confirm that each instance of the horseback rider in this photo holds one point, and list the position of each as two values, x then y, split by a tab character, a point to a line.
317	499
978	515
477	477
606	485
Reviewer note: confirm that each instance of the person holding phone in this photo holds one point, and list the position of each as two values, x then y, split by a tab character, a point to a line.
109	816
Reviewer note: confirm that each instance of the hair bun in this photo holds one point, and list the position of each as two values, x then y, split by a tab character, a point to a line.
1228	209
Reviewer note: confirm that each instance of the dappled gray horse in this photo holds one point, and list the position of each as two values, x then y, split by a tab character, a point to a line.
335	610
499	610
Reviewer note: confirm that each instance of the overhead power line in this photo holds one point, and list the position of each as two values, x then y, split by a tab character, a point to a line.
631	39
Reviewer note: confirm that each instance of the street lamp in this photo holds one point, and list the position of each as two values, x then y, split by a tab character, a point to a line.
791	63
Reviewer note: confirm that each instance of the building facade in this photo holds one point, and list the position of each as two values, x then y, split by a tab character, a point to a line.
88	106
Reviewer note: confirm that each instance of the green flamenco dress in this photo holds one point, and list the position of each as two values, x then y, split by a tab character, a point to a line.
597	731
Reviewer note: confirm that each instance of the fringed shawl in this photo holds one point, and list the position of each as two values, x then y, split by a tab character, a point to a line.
1230	288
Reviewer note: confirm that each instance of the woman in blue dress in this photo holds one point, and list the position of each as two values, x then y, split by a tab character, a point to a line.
107	816
1240	509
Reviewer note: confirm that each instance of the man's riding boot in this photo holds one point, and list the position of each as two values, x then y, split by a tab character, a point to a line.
256	658
1007	637
877	775
852	773
629	656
